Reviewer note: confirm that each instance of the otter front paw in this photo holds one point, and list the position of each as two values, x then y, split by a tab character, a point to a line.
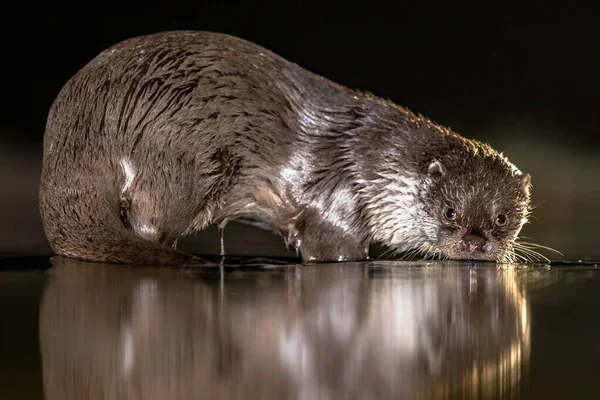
333	249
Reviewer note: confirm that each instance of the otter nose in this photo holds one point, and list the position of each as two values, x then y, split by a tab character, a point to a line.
473	243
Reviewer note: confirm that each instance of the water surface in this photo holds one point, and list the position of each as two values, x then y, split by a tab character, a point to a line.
374	330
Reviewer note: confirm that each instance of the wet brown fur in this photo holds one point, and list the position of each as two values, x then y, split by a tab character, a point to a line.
217	128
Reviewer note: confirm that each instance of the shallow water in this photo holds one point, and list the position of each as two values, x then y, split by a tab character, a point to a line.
374	330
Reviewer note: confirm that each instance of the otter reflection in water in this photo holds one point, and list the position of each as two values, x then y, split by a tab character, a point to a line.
361	331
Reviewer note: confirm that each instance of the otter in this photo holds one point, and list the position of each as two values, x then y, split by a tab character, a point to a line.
162	135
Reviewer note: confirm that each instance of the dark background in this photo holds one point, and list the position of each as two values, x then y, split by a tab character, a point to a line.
524	79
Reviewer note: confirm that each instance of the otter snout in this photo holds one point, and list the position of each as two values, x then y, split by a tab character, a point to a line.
473	243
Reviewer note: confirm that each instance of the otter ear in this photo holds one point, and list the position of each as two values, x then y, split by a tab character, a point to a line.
436	168
526	183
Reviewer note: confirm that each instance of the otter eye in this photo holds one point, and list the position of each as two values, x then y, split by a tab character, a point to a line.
450	214
501	220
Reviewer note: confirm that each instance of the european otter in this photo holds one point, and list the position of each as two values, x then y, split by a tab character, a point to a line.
161	135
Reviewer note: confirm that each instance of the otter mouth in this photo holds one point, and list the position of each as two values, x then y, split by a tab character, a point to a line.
474	246
478	257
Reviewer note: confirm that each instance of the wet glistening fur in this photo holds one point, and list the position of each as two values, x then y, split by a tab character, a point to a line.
162	135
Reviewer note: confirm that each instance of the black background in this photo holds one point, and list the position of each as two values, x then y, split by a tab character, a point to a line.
523	79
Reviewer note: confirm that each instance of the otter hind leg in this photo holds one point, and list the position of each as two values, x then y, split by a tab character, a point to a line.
88	222
141	225
107	240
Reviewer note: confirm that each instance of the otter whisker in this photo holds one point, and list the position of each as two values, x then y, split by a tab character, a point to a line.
534	206
427	254
388	252
424	250
527	249
442	256
512	256
538	246
410	255
431	253
413	254
521	257
506	257
530	253
524	251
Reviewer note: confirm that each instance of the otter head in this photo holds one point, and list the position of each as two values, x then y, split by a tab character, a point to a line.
478	202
